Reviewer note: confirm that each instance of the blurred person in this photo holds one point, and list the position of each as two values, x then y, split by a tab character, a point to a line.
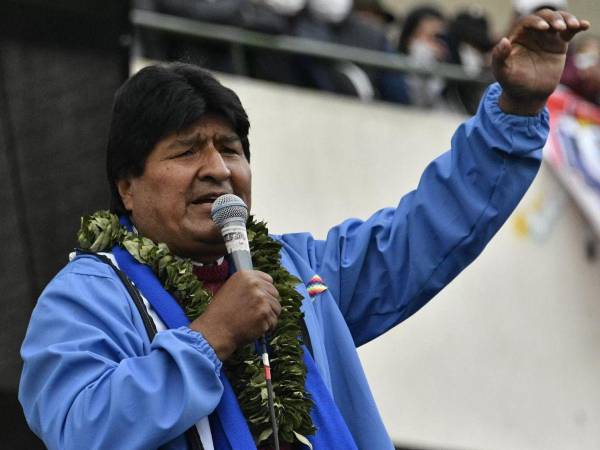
148	43
320	22
132	343
265	16
469	44
226	12
470	41
424	40
365	28
523	7
272	17
210	54
381	13
337	22
330	11
582	68
375	11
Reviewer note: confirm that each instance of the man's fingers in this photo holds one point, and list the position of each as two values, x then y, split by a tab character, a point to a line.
276	307
568	34
501	52
554	19
273	316
574	26
269	289
502	49
267	284
271	325
534	22
565	23
264	276
570	20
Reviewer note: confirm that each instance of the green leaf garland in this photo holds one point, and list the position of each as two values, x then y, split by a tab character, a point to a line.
102	230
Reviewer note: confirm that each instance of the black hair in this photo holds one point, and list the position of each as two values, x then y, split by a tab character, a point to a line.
540	7
157	101
472	27
412	21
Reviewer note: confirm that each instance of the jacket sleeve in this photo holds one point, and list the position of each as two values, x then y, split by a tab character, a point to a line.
384	269
92	380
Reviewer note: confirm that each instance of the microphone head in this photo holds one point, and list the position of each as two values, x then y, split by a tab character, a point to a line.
228	208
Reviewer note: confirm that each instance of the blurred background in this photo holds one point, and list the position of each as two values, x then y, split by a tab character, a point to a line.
348	101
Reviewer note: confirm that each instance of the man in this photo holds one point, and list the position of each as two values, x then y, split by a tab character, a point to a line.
112	365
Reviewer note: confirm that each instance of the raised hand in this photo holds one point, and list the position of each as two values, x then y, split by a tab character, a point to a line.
245	308
528	63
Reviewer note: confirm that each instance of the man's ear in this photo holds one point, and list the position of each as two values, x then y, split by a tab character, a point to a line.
125	188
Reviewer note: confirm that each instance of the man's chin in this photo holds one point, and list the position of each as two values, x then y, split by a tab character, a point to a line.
200	242
208	250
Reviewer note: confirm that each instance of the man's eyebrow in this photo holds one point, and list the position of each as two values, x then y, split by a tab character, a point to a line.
196	138
228	138
185	140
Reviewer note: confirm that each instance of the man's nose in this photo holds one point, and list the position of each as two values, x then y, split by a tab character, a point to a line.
213	165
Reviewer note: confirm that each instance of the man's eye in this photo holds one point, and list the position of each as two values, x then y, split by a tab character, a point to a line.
230	151
188	152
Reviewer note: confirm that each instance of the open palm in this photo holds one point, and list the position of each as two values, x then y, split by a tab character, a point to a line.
529	63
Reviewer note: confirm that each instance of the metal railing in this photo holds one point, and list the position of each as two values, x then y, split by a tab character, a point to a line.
239	38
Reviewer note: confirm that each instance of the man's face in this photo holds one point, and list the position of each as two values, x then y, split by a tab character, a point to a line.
183	175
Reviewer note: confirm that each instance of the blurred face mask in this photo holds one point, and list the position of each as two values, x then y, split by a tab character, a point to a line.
587	54
586	60
286	7
422	52
330	11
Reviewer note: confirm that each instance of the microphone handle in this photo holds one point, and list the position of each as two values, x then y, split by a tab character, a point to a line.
241	260
236	242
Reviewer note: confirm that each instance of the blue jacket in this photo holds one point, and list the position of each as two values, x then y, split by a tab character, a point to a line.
93	380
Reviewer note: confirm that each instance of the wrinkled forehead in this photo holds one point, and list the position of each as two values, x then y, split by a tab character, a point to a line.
211	127
209	124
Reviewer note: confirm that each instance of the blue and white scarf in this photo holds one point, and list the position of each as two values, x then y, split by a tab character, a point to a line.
228	425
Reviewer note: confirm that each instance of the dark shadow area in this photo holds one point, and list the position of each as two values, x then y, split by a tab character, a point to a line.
19	437
60	64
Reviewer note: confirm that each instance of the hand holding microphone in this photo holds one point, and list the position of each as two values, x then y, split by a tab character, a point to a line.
247	306
259	308
244	309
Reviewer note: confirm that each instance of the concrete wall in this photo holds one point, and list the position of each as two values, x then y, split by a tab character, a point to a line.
506	357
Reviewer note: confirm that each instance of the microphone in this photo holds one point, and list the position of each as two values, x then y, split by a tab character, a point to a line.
229	213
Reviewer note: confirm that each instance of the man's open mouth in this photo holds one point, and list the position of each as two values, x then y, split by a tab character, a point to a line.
208	198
